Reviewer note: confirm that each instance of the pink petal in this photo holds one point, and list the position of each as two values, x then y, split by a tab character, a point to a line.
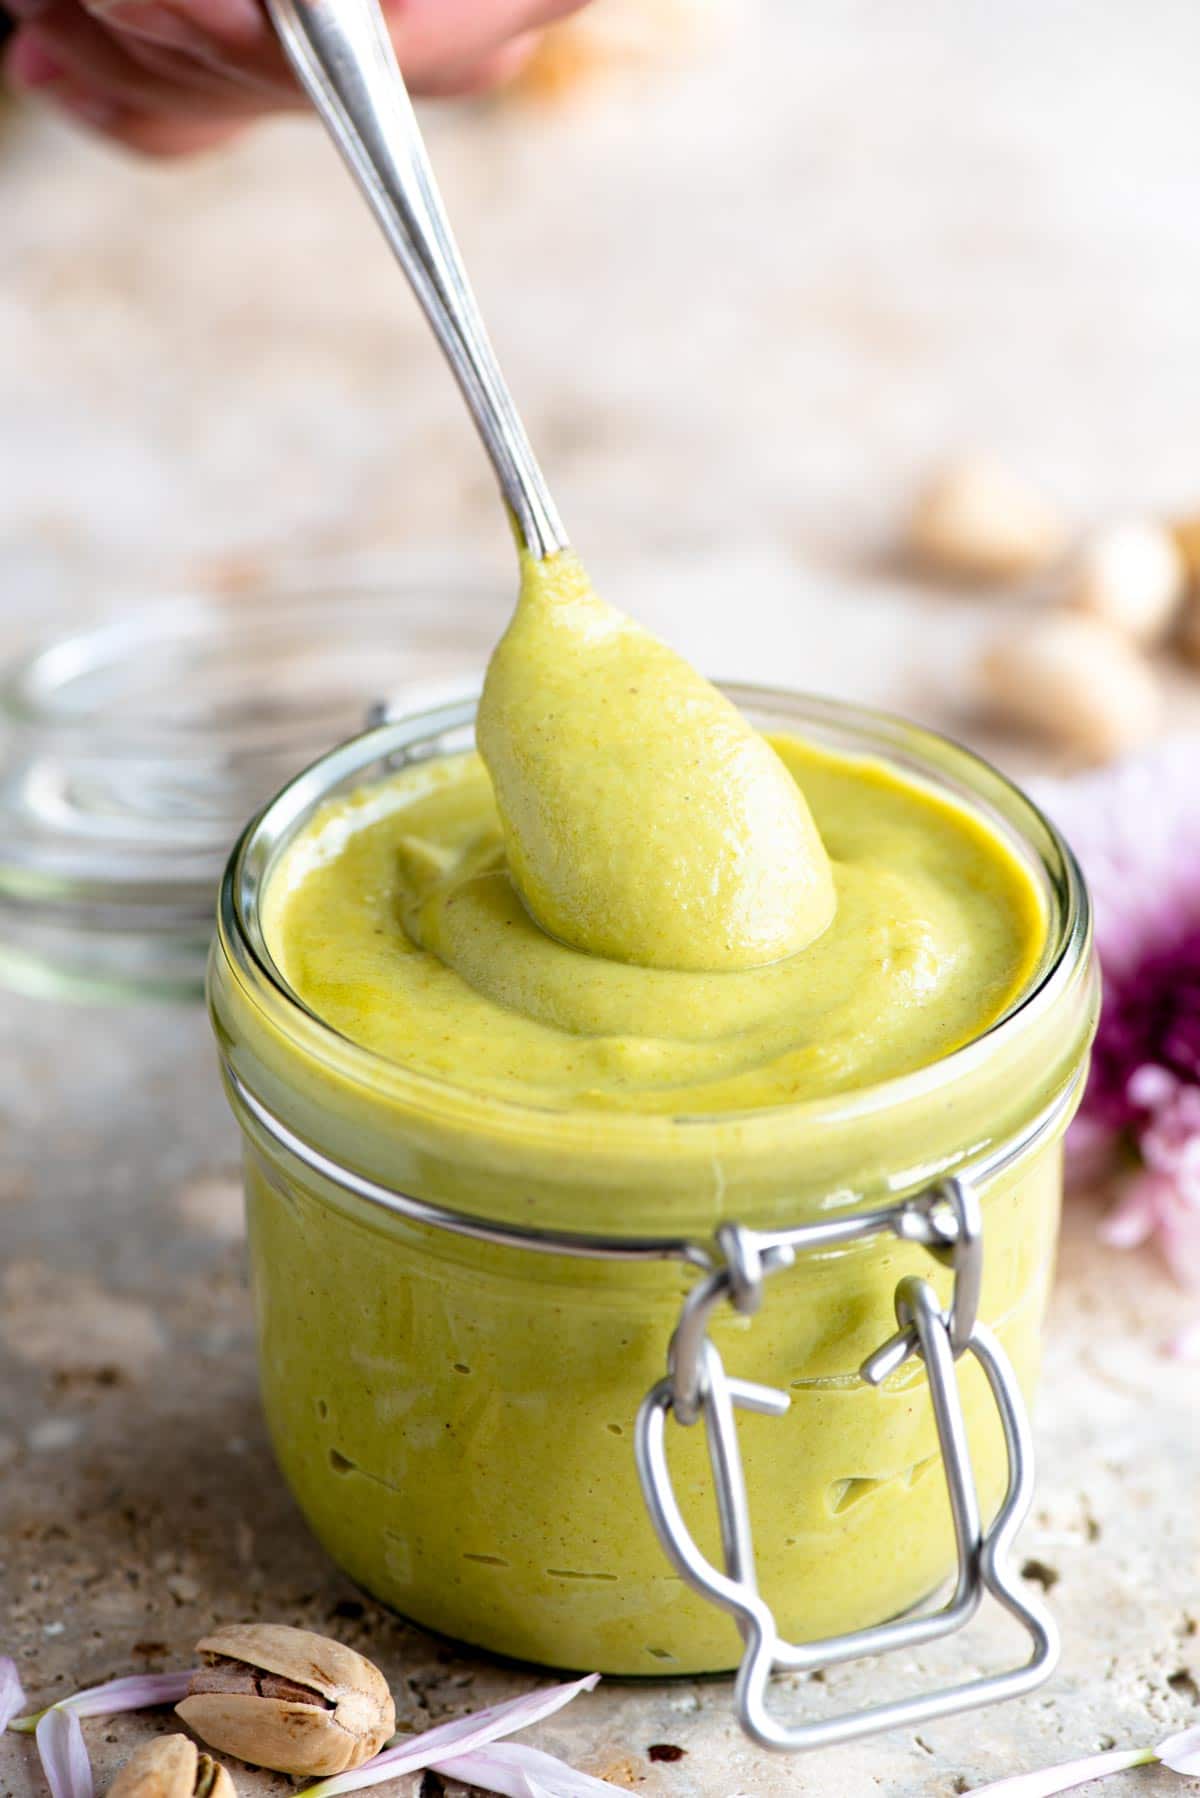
519	1772
137	1692
1185	1344
1138	1212
1151	1086
1182	1752
64	1757
12	1698
464	1733
1071	1773
1181	1246
1090	1149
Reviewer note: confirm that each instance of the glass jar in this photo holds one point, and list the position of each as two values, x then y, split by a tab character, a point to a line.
455	1414
131	754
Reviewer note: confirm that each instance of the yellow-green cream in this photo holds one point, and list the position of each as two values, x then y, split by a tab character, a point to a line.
643	819
636	900
394	916
630	902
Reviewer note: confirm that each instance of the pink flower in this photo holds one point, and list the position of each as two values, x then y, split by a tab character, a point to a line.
1136	831
1163	1198
1149	1025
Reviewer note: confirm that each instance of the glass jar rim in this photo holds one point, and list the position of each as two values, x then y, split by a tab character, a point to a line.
925	754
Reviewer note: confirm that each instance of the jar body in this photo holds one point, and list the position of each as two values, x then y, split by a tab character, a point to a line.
456	1422
456	1417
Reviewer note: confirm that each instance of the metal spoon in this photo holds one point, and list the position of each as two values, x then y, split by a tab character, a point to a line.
343	58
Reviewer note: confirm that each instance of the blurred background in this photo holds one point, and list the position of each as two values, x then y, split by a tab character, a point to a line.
858	344
755	270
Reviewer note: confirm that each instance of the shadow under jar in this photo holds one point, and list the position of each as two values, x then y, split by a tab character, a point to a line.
456	1415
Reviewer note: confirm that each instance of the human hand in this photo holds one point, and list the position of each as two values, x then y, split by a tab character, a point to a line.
171	76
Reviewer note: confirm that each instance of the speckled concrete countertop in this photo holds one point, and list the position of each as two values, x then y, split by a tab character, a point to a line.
140	1500
799	275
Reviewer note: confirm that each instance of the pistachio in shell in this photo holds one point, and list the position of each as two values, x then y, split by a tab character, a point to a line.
171	1767
288	1699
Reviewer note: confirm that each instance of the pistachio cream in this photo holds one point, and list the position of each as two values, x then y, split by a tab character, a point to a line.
614	963
631	900
644	821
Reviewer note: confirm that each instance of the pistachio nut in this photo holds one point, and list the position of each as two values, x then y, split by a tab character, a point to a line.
286	1698
171	1767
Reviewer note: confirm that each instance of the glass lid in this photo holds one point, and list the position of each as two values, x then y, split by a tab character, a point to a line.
132	755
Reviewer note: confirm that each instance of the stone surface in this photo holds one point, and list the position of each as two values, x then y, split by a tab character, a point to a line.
864	237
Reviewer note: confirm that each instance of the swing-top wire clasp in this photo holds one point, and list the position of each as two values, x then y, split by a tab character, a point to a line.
946	1221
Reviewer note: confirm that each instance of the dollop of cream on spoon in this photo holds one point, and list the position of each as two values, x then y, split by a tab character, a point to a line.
644	819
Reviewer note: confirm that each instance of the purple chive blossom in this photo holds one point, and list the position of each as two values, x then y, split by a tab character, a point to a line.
1136	831
1151	1019
12	1697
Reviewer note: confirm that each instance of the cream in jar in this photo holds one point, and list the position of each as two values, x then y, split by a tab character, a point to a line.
456	1421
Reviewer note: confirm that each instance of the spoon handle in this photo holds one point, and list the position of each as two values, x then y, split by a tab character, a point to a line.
343	57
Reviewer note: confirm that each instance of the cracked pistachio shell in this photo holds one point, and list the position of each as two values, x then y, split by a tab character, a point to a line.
348	1720
171	1767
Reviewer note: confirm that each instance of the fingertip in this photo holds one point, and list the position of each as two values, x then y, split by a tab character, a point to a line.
160	138
198	27
482	75
238	24
89	109
30	62
31	65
